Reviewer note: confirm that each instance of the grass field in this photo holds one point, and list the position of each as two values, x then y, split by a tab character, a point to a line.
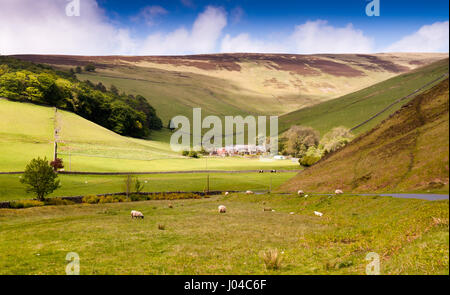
353	109
86	146
76	185
410	236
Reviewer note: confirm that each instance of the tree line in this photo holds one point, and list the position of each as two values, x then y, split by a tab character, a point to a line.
124	114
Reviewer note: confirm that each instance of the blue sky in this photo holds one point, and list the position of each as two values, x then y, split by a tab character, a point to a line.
262	17
208	26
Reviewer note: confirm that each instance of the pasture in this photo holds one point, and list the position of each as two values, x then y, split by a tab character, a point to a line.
76	185
354	108
86	146
410	236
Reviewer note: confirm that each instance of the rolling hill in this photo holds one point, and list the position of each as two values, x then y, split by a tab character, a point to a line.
407	152
239	84
28	131
354	108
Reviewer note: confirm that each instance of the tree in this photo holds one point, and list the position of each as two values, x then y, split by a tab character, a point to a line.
78	70
114	89
40	178
57	164
89	68
337	138
138	185
298	139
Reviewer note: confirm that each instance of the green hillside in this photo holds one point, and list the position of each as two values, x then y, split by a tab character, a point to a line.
353	109
407	152
239	84
27	131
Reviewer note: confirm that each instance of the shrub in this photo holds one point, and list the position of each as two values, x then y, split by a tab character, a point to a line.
57	164
312	156
336	139
193	154
272	259
58	202
90	199
185	153
26	204
89	67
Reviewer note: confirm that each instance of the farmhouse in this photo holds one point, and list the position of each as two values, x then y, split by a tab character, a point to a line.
239	149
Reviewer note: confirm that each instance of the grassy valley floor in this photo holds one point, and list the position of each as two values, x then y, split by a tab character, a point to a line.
76	185
410	236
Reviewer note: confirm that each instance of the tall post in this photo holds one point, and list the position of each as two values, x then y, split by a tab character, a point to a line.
55	155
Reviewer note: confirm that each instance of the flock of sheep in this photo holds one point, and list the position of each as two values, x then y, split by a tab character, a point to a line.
223	209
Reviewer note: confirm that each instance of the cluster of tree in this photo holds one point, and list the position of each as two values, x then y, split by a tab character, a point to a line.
305	143
124	114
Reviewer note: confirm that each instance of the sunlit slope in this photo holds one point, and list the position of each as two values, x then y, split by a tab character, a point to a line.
353	109
233	84
26	131
408	152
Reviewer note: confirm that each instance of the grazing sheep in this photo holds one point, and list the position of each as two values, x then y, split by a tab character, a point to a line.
338	192
227	193
249	192
273	171
306	196
222	209
300	192
267	209
136	214
318	213
261	171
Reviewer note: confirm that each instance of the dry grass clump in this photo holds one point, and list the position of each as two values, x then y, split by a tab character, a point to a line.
272	259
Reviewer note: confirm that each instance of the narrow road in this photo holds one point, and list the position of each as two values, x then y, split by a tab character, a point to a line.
429	197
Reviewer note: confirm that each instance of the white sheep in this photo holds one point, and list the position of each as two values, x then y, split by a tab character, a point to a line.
227	193
318	213
249	192
222	209
300	193
136	214
306	196
338	192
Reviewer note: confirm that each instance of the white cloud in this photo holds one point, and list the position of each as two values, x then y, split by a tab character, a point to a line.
150	13
429	38
202	38
319	37
42	27
310	37
244	43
